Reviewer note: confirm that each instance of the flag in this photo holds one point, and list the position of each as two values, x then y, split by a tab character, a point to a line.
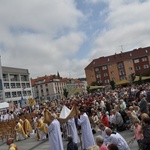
22	101
31	102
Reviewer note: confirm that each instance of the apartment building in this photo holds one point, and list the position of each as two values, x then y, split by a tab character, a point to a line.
119	66
52	87
15	83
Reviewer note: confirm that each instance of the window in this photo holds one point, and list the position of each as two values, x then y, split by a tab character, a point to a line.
90	70
104	67
120	65
98	76
91	76
106	81
121	72
105	74
112	72
146	66
96	69
136	61
123	77
130	68
137	67
144	59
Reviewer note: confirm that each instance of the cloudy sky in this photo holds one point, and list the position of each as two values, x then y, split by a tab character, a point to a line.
46	36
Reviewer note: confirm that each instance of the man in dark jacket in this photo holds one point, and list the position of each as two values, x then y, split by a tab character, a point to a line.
71	145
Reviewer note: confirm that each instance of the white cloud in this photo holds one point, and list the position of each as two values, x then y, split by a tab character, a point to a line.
40	35
127	28
93	1
46	36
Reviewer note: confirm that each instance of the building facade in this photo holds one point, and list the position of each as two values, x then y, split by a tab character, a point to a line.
16	84
52	87
118	66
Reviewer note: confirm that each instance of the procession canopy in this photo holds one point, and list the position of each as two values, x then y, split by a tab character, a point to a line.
73	112
64	116
48	117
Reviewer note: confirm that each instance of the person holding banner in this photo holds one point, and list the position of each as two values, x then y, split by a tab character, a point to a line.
20	134
54	134
41	129
87	135
72	130
27	126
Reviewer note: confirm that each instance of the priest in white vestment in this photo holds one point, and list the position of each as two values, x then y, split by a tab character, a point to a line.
87	135
72	130
117	139
54	135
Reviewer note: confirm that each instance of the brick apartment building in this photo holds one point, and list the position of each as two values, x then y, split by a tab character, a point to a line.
119	66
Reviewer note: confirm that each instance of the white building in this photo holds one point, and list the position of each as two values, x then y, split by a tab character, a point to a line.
52	87
16	84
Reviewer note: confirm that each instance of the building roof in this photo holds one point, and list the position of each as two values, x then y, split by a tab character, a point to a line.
136	53
53	78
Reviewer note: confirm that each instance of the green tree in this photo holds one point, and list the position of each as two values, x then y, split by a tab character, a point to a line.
65	92
132	77
94	84
88	89
112	83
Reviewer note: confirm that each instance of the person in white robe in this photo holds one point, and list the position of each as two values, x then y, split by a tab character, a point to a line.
54	135
72	130
87	135
117	139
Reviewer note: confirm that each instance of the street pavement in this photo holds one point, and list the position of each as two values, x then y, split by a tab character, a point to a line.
32	144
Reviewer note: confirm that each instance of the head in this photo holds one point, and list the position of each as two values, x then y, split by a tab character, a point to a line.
144	115
82	110
99	140
146	121
136	123
70	138
112	147
108	131
114	111
131	108
10	141
102	127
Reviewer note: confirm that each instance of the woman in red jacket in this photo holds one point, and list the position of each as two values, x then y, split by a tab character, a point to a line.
104	118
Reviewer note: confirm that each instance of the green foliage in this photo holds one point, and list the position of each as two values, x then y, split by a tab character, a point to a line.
132	77
65	92
112	83
88	89
94	84
58	75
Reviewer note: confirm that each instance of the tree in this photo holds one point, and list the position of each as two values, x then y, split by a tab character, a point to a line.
65	92
132	77
88	89
112	83
58	75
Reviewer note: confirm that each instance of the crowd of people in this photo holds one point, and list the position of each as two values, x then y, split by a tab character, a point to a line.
110	112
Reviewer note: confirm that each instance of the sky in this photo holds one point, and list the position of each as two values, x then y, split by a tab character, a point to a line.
50	36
